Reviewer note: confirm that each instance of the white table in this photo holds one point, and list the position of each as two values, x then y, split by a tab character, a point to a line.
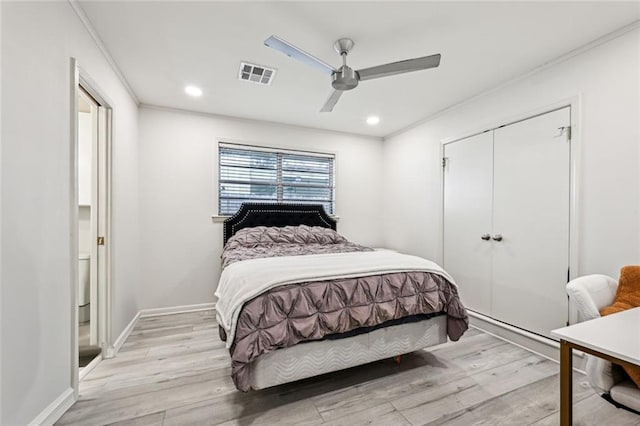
615	338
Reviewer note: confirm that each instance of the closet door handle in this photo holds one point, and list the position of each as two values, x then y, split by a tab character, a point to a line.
485	237
497	237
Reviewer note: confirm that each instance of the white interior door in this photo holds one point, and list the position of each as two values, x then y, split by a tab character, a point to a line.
95	202
101	243
94	193
531	200
468	183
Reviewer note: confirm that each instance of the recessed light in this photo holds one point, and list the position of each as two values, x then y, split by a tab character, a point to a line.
373	120
193	91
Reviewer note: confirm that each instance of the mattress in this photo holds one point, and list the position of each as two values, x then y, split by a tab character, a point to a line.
284	286
320	357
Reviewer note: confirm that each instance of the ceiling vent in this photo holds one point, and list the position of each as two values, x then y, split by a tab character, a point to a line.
256	73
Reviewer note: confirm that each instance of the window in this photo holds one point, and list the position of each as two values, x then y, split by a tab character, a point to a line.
269	175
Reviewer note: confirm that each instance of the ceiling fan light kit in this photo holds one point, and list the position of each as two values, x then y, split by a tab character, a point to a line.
346	78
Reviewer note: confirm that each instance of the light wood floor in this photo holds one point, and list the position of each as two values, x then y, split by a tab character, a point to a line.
174	370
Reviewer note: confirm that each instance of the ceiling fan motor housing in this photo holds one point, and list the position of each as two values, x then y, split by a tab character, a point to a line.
345	79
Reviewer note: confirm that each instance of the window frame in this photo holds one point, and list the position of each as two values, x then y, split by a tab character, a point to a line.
219	217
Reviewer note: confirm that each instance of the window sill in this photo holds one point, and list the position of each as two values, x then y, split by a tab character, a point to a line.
219	219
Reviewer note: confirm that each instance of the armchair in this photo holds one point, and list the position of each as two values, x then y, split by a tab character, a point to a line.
587	295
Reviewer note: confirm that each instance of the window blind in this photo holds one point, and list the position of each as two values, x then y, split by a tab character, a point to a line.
263	175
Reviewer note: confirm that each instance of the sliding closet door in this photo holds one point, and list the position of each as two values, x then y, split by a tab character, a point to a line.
531	222
467	218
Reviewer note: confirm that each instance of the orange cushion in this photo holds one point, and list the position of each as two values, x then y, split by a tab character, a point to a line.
627	297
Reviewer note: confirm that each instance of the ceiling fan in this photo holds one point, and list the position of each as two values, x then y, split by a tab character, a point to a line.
346	78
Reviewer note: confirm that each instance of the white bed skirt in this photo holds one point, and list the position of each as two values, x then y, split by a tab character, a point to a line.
314	358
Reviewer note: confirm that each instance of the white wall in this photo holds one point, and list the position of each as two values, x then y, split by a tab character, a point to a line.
1	274
181	245
84	229
38	40
85	165
607	80
85	157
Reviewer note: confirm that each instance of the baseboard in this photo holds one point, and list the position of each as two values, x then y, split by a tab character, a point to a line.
87	368
125	333
547	348
144	313
56	409
176	309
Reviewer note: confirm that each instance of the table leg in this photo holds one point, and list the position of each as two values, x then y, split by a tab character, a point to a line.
566	384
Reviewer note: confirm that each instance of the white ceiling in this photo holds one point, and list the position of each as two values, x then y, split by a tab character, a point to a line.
162	46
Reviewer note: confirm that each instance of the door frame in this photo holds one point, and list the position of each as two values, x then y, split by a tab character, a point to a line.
79	77
97	122
574	103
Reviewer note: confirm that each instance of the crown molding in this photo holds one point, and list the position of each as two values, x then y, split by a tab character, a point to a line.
559	59
75	5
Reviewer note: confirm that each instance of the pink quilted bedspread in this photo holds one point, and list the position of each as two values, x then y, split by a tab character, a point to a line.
290	314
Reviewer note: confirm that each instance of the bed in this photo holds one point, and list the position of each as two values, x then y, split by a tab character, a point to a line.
296	299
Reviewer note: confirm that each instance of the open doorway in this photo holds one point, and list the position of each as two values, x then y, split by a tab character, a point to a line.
88	347
90	183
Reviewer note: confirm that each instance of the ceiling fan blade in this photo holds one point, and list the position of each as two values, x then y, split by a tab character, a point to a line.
399	67
332	101
292	51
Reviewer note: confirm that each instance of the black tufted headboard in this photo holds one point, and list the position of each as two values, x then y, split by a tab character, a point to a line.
276	214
